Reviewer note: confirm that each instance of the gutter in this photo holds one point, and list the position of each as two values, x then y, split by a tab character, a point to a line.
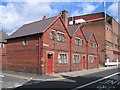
38	70
87	55
70	55
98	61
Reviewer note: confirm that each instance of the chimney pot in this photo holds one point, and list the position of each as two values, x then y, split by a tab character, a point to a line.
44	17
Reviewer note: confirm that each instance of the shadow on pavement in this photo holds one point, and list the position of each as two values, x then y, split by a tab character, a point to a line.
72	82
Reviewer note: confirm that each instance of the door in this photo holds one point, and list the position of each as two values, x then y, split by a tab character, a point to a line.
49	63
83	58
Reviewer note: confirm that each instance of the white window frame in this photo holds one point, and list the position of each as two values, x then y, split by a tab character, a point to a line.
92	46
95	46
52	30
2	45
60	60
25	43
60	37
79	41
91	61
82	42
74	61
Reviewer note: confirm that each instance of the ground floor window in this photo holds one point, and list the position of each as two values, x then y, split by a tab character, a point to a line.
91	58
62	58
76	58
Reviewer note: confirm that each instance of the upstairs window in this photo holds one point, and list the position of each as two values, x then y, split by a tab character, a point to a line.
95	45
52	34
25	42
76	58
2	45
92	45
61	37
77	41
82	42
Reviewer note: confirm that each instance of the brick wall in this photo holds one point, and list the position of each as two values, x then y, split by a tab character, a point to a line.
98	28
81	50
56	47
22	58
92	51
3	54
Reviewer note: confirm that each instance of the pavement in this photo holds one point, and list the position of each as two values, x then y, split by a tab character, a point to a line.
56	76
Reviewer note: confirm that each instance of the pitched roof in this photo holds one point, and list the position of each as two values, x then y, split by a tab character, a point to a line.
33	28
88	35
72	29
3	36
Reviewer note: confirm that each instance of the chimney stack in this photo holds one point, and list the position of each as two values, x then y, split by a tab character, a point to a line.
65	17
44	17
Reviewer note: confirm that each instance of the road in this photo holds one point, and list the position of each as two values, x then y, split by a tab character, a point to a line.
104	80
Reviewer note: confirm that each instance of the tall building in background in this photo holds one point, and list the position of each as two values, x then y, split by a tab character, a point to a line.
105	30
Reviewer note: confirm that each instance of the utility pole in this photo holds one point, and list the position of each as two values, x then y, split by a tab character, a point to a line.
105	9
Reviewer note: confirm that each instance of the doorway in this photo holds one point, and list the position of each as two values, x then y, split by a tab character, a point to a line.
49	63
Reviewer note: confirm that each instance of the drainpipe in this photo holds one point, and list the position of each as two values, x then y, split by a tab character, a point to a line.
70	55
87	55
98	58
38	71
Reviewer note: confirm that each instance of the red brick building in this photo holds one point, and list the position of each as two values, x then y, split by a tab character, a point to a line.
106	32
46	47
3	42
77	47
39	47
83	55
92	54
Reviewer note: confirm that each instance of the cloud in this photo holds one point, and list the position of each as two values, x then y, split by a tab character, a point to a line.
113	10
87	8
76	12
14	15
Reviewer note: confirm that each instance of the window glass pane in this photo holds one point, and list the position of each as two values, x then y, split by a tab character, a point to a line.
63	58
0	45
76	59
82	42
52	35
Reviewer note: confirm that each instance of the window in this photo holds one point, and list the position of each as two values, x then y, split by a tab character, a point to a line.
62	58
82	42
77	41
2	45
91	45
76	58
52	34
91	58
94	45
61	37
25	42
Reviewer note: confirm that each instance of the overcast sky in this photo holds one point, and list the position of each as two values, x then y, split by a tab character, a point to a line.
15	14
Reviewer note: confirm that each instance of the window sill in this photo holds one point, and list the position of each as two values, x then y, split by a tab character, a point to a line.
62	63
61	41
76	63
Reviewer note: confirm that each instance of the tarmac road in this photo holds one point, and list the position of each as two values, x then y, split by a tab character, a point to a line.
104	80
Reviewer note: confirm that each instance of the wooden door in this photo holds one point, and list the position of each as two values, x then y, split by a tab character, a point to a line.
83	62
49	63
